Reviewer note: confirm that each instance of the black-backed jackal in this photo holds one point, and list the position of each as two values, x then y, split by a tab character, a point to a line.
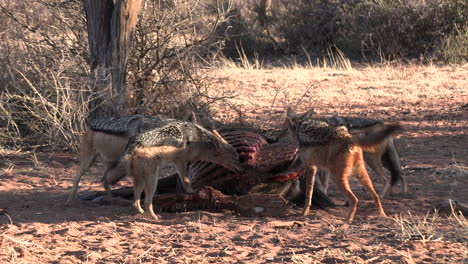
323	145
177	142
383	154
106	138
380	156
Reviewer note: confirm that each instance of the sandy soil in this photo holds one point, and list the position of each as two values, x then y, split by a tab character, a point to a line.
431	102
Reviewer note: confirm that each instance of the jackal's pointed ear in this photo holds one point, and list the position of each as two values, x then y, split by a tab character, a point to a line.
290	124
307	114
216	133
191	117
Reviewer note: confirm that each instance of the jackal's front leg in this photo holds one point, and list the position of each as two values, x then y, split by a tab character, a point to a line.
150	190
183	175
137	190
310	173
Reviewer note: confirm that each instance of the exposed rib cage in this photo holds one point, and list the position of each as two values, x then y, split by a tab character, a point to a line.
262	159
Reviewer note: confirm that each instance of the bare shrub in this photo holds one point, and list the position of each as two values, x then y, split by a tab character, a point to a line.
46	79
369	30
42	61
170	39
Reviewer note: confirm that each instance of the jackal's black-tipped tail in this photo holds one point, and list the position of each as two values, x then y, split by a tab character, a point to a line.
377	135
391	161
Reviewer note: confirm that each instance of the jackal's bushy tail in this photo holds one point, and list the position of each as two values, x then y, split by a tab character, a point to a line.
391	161
376	135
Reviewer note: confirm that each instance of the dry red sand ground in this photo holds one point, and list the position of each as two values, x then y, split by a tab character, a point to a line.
431	102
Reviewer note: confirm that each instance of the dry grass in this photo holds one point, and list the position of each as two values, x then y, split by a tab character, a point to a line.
353	89
432	227
419	228
9	170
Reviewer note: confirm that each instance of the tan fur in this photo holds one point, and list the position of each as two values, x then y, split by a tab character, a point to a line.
168	152
340	166
110	147
144	168
373	156
144	164
93	144
340	161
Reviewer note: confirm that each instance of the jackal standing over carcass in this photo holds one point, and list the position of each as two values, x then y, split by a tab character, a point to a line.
380	156
323	145
177	142
106	138
383	154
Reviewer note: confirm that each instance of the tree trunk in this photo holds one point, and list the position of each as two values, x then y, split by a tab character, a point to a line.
123	22
98	17
110	30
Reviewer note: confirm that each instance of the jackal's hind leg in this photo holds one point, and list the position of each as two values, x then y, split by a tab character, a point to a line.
85	163
367	183
311	171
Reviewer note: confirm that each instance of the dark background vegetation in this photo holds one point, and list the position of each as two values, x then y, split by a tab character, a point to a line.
45	87
369	30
